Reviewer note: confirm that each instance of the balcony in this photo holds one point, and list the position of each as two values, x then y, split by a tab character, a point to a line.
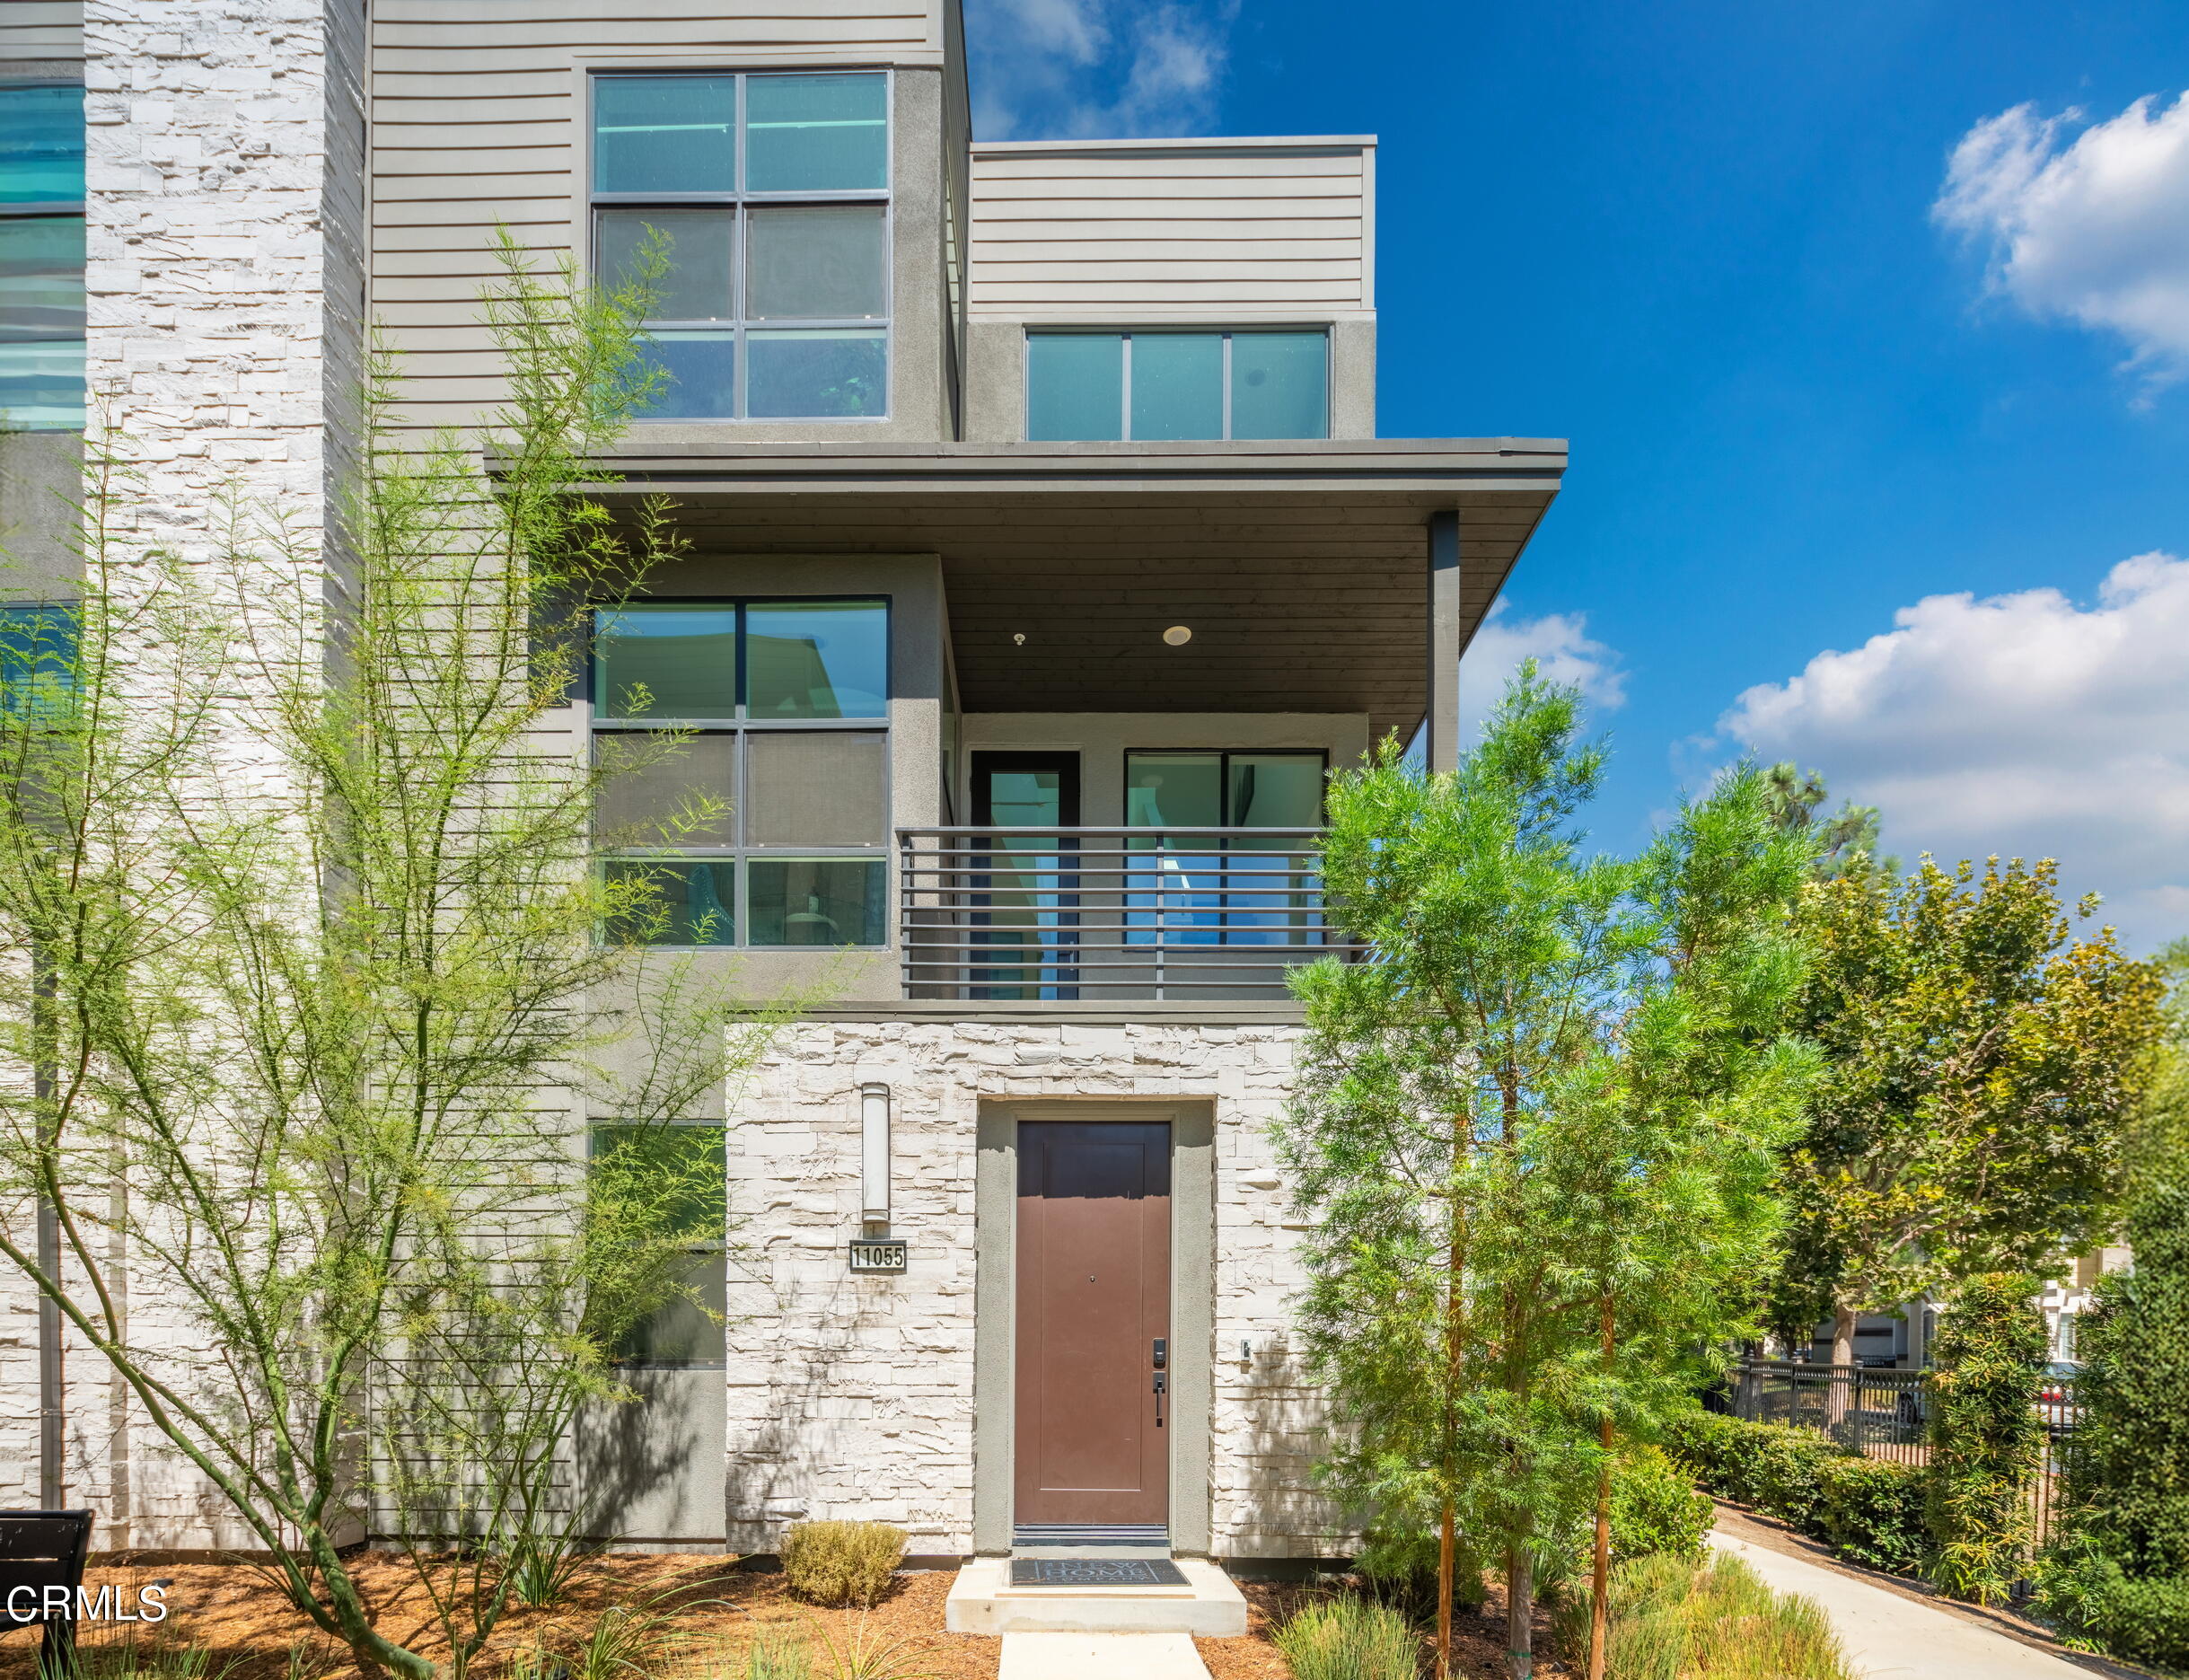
1013	915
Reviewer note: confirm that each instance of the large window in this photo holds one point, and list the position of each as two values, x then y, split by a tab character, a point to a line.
768	196
1177	385
789	703
41	254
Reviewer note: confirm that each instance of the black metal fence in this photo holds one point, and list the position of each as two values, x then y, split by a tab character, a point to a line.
1884	1412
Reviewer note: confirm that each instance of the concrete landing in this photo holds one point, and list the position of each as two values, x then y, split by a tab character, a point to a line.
1101	1657
982	1600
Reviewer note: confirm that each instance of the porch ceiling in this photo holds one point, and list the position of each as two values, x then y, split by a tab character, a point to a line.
1301	568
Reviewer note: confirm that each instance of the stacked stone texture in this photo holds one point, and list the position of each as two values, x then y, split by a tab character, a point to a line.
208	263
853	1396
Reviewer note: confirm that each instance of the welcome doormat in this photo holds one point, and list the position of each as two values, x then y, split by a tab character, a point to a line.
1095	1572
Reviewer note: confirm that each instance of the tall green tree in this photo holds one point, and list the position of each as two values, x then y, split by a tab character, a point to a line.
1849	840
2118	1572
1668	1142
1980	1068
300	945
1534	1131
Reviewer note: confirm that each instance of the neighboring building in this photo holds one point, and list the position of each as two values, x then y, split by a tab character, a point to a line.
1035	491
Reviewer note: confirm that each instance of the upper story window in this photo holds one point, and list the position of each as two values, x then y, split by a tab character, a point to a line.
772	195
41	254
788	701
1166	385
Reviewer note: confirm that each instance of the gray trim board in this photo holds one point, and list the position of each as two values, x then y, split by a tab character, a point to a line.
1192	1305
1443	623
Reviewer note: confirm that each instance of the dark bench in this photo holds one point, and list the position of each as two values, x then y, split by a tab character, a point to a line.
41	1550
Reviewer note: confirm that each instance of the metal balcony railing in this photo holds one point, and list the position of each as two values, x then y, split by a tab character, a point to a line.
1123	914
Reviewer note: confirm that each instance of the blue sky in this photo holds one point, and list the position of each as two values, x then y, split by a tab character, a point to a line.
1848	311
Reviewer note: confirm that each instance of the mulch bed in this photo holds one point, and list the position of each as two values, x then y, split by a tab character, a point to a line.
1478	1641
251	1629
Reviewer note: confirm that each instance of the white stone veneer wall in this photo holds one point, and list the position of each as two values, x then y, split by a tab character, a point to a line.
853	1397
224	223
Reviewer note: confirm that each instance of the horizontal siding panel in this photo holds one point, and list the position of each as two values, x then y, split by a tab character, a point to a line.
473	127
547	184
1006	234
486	160
1165	272
1182	189
1226	166
606	27
445	104
470	57
395	249
521	14
434	85
541	204
1139	251
1150	291
42	29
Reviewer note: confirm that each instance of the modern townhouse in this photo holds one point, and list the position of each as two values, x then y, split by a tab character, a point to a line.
1043	560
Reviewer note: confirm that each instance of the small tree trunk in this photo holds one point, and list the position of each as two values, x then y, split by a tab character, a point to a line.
1519	1611
1837	1393
1600	1573
1445	1584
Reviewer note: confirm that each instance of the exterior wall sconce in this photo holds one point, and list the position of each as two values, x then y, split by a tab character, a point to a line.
873	1154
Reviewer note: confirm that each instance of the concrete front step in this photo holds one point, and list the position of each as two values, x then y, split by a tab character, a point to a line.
982	1600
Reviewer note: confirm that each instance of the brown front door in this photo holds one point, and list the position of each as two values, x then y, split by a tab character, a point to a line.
1094	1300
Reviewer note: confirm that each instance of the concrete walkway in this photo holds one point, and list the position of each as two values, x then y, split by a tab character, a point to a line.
1101	1657
1888	1637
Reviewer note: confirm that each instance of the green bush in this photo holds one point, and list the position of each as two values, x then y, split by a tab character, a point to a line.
1986	1437
2119	1575
1350	1638
841	1563
1656	1507
1869	1510
1873	1513
1673	1617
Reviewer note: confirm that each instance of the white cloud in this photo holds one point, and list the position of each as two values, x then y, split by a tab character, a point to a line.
1096	69
2095	229
1558	643
2024	724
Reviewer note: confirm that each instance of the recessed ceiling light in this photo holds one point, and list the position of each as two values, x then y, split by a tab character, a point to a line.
1178	636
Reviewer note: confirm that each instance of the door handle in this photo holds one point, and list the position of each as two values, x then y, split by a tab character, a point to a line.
1161	1384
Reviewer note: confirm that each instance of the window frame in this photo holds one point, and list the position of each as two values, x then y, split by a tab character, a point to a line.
739	203
1223	756
57	210
740	853
1127	334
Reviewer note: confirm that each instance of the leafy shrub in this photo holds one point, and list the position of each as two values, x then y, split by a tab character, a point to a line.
1401	1568
1671	1617
2119	1575
841	1563
1655	1508
1869	1512
1350	1638
1986	1437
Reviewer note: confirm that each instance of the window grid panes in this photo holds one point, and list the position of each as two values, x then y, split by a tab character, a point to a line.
769	196
788	703
41	254
1242	890
1176	385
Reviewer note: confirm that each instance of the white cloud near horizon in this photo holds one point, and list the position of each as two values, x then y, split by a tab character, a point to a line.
1561	646
2023	724
2093	229
1097	69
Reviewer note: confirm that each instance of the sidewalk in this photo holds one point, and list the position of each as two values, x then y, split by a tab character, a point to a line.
1889	1637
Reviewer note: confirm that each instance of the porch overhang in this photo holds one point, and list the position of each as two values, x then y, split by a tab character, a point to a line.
1303	569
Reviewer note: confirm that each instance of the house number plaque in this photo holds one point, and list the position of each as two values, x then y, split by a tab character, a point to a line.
877	1253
